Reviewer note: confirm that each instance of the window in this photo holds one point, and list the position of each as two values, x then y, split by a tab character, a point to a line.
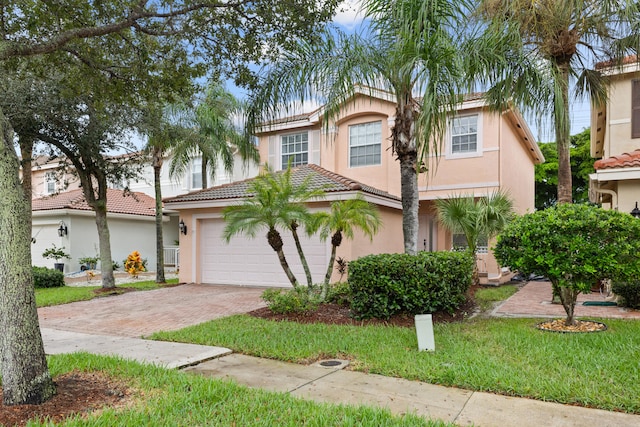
295	148
365	144
196	173
635	109
460	243
50	182
464	135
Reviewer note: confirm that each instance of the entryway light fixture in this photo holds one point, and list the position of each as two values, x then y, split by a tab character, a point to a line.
635	212
63	230
183	227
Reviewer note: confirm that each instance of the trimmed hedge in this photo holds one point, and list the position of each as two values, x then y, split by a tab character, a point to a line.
387	284
44	277
630	293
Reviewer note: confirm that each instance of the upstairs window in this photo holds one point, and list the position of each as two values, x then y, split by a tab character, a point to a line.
295	148
196	173
365	144
464	135
50	182
635	109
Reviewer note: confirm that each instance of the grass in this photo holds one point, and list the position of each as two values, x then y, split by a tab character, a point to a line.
172	398
506	356
66	294
487	297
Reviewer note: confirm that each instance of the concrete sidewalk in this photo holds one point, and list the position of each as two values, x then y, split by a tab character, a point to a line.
331	384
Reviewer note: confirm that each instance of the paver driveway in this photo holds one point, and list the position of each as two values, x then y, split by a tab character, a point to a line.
141	313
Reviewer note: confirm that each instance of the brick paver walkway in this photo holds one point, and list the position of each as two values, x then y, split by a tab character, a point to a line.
137	314
534	300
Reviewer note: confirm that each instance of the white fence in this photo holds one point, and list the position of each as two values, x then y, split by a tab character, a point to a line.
171	256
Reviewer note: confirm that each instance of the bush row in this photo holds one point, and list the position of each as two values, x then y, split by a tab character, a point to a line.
629	292
44	277
387	284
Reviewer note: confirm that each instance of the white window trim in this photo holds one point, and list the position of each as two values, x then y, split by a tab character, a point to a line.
280	152
349	144
192	172
479	145
50	177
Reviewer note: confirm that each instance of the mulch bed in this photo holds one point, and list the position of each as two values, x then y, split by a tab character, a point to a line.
559	325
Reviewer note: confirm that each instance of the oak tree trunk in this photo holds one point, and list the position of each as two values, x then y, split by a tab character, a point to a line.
25	375
104	239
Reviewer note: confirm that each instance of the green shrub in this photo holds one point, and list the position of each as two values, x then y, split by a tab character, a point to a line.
339	293
44	277
387	284
297	300
629	292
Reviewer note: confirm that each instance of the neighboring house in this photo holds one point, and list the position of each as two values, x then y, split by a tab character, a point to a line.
615	140
131	226
483	151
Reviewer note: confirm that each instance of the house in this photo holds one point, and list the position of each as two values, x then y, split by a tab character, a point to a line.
483	151
58	200
615	139
66	221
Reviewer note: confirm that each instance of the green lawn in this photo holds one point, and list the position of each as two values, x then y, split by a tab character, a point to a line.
172	398
508	356
66	294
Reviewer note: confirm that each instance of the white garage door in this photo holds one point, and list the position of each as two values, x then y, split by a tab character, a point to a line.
246	261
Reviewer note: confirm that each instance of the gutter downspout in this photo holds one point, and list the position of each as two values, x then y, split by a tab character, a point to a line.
613	194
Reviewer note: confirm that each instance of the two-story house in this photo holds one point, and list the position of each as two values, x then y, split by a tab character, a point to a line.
615	140
483	151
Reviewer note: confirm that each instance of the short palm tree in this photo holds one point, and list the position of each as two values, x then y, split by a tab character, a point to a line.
274	203
536	47
343	220
412	48
475	218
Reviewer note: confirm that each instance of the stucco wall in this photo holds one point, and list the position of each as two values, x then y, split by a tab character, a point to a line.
618	132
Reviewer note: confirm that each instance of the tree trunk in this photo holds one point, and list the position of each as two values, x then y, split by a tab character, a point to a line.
404	147
332	259
275	241
568	297
106	262
157	166
25	375
303	259
562	129
410	203
26	151
205	177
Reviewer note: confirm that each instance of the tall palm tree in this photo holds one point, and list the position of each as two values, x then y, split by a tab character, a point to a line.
537	48
475	218
213	136
275	202
344	218
411	48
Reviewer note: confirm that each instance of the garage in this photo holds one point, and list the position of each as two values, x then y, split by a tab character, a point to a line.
247	261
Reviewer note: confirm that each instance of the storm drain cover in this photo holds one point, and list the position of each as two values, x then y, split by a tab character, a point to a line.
331	363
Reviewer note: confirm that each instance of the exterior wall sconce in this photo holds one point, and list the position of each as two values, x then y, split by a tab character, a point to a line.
635	212
63	230
183	227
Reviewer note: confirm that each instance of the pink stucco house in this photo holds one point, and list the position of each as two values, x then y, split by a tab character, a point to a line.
484	151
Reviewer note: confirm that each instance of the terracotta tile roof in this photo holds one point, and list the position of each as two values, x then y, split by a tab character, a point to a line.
320	178
626	160
133	203
630	59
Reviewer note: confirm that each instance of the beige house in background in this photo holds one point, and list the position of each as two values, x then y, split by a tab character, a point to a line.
615	140
483	152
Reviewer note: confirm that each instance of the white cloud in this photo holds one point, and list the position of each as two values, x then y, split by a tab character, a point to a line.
349	14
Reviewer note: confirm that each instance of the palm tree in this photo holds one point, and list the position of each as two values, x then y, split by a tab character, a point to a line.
345	217
475	218
275	202
536	48
213	137
412	48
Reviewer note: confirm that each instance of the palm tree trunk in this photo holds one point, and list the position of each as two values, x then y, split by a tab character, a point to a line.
157	166
327	276
275	241
410	203
25	375
562	129
205	177
303	258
